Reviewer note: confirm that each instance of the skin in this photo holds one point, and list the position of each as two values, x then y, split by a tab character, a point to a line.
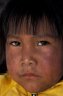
35	61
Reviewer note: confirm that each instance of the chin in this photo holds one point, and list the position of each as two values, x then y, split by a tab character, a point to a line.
33	88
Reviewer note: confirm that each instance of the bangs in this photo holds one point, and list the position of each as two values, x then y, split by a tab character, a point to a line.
31	25
23	24
20	14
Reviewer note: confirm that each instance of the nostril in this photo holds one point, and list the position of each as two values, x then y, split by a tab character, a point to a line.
31	62
28	62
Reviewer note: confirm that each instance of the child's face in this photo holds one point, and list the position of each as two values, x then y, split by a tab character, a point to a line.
35	61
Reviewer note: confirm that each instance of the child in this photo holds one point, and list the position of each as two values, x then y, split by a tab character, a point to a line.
33	49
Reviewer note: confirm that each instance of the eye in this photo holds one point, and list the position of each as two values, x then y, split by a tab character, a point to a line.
15	43
42	43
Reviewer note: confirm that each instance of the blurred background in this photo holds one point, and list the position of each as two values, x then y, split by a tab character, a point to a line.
2	4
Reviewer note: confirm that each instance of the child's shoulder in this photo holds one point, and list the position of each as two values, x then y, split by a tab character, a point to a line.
9	87
3	78
3	75
5	83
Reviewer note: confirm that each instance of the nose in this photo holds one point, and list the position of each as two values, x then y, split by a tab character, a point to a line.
28	62
28	57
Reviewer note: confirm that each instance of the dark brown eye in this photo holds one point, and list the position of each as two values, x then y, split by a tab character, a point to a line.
15	43
42	43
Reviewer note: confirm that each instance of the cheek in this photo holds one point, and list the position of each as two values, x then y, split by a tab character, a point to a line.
50	60
12	59
50	54
47	55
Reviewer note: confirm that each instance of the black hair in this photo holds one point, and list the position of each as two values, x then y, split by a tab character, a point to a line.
2	60
17	10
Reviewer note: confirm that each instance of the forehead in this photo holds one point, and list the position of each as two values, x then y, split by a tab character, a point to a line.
40	27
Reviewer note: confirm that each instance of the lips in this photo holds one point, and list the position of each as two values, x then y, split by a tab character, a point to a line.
29	75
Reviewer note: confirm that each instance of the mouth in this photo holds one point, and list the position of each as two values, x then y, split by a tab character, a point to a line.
29	75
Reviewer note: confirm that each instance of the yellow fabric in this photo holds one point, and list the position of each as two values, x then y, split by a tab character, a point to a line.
9	87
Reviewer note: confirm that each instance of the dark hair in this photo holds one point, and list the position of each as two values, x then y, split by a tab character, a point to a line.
17	10
2	60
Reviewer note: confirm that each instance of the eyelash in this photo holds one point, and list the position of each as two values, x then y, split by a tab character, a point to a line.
38	43
15	43
42	43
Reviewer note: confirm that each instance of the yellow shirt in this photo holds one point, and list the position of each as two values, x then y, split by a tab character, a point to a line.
9	87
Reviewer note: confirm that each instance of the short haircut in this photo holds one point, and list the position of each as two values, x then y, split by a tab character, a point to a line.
18	10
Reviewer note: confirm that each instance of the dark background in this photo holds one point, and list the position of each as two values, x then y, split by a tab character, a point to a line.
2	4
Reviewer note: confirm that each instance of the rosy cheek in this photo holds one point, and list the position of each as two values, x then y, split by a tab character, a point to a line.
46	53
46	59
12	57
